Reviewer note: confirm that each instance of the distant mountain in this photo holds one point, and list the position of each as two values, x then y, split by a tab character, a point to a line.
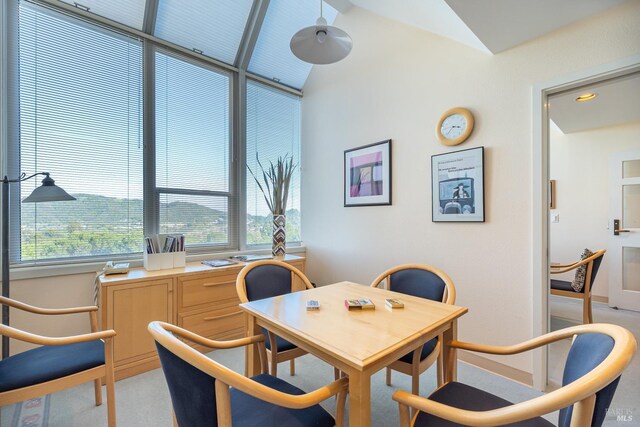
92	210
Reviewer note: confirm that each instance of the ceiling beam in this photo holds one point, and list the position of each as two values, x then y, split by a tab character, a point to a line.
341	6
150	16
251	32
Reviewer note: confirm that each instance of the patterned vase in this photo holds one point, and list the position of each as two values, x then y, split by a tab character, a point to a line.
278	249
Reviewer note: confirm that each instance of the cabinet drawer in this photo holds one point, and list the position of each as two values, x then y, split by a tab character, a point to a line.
211	291
215	324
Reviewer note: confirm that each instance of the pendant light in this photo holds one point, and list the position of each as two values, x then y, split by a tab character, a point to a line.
321	43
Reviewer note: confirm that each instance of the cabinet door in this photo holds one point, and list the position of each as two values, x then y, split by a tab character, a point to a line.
133	306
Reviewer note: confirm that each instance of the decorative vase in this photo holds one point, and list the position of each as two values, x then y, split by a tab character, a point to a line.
278	249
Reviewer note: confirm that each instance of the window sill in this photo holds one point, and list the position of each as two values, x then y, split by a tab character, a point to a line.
34	272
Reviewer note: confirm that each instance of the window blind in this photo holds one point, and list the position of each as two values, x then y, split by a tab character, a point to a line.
193	148
79	117
273	130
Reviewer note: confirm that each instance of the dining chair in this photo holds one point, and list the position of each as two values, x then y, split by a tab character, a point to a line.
598	355
586	270
60	362
204	392
422	281
265	279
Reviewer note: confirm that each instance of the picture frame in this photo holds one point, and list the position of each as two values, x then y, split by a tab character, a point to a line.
367	175
457	186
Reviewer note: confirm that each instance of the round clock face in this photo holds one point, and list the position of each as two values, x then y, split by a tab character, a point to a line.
455	126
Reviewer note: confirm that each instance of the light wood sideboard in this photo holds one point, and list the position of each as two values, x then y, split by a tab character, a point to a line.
196	297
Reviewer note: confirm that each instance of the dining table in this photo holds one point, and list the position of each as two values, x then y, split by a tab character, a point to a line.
357	342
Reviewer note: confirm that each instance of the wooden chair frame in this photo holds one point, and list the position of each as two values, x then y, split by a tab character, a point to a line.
585	296
581	392
417	367
274	355
165	334
98	373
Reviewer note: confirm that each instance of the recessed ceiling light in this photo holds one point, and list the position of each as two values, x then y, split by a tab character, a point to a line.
586	97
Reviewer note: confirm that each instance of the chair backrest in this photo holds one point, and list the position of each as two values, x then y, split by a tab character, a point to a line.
419	280
586	353
595	266
268	278
191	376
193	392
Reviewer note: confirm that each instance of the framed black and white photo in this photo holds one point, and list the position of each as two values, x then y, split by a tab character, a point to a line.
367	175
457	183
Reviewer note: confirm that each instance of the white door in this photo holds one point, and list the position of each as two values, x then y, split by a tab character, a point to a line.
624	230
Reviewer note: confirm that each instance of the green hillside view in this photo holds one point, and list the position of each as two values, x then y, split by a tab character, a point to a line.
98	225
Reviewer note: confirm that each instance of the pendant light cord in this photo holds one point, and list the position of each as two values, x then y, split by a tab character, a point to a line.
321	8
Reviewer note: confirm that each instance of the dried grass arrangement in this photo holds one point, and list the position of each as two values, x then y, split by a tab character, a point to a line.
275	183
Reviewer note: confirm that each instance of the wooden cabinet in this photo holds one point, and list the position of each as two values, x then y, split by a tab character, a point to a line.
196	297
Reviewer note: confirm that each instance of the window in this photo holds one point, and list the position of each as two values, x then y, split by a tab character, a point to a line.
273	130
76	108
80	111
193	142
213	28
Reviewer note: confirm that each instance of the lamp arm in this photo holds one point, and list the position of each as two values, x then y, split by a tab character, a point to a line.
23	177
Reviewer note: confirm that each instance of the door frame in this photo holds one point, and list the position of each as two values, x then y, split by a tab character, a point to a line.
540	192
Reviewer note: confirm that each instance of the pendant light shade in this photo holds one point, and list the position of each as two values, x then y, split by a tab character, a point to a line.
321	43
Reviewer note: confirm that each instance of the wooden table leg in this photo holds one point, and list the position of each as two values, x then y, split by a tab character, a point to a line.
359	399
449	355
252	358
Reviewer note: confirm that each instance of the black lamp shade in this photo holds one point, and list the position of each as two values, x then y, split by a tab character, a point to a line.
48	192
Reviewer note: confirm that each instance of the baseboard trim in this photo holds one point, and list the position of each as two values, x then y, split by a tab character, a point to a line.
598	298
497	368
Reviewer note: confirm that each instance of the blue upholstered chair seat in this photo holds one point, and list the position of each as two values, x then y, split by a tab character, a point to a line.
245	408
562	285
427	348
283	345
470	398
48	363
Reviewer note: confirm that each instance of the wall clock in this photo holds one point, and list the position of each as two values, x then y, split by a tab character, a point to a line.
455	126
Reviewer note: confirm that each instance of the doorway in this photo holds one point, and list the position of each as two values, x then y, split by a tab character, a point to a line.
568	229
594	130
541	194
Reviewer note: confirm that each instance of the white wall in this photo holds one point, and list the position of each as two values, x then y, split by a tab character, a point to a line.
579	163
395	84
56	292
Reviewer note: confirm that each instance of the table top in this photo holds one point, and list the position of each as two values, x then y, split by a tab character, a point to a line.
359	338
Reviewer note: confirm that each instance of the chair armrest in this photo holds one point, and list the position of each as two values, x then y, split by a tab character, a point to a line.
43	340
220	345
563	268
32	309
556	265
526	345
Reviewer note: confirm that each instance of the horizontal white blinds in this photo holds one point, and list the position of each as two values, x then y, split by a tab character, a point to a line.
193	150
273	130
213	28
80	118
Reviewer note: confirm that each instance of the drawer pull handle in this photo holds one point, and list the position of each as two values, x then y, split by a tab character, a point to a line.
222	316
208	285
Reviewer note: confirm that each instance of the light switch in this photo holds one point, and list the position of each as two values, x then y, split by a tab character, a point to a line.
555	217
